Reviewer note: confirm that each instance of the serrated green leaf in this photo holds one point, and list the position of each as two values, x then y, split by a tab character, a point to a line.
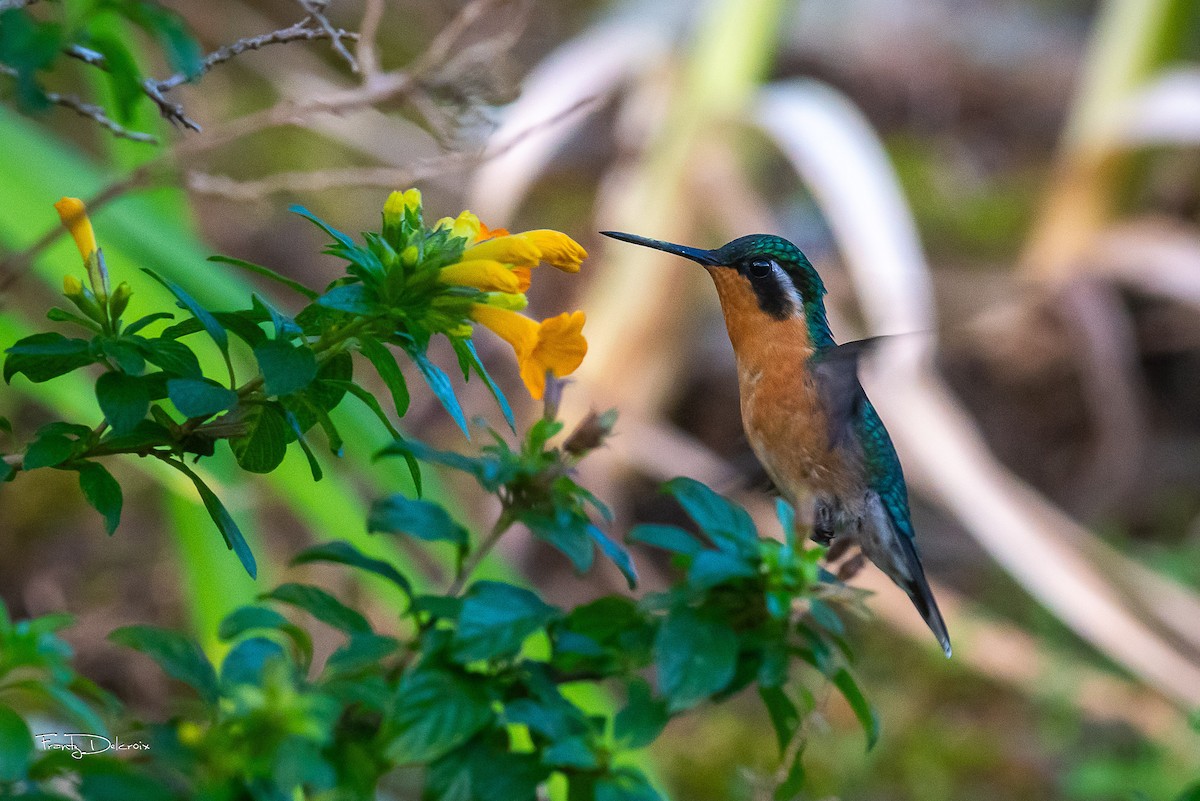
200	397
859	704
342	552
41	357
16	745
321	605
495	620
179	657
725	523
124	399
286	368
398	514
432	713
102	492
696	657
264	445
266	272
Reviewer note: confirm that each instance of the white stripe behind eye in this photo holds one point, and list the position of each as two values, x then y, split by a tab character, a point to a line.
784	282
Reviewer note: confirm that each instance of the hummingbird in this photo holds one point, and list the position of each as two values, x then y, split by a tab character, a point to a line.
805	413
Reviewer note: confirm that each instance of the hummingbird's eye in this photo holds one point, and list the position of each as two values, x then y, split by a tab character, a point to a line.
761	268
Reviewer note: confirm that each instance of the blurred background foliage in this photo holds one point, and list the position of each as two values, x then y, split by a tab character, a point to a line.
1021	177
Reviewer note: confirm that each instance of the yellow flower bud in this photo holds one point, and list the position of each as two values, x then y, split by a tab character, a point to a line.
74	218
558	249
72	286
398	203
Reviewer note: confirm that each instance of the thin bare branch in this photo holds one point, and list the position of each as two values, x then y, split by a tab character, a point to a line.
316	9
320	180
368	31
301	31
90	110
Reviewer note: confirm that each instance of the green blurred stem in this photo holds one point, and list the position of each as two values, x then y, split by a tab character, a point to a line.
503	524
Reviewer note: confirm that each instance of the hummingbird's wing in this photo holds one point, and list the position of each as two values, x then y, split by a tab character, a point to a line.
835	370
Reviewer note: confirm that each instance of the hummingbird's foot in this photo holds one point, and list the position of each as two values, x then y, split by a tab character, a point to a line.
851	566
822	530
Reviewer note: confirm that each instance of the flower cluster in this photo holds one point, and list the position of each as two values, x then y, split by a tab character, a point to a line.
484	273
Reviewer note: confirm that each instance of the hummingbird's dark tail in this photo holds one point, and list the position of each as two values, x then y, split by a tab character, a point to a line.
922	597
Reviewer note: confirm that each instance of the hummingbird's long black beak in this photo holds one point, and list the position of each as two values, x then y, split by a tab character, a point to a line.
697	255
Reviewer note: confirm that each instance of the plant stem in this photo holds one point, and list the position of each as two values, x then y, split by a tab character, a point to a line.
503	524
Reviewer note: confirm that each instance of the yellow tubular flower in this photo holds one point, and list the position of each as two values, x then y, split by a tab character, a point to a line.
555	344
512	249
558	249
74	218
484	274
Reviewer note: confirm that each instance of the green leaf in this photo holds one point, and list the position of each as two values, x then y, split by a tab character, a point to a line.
642	719
439	383
124	354
178	656
286	368
711	568
200	397
467	355
363	650
321	605
342	552
350	298
42	357
496	619
669	538
625	784
102	492
124	399
619	556
250	618
725	523
28	46
202	315
49	450
180	47
570	752
385	364
425	520
785	718
234	539
16	746
858	702
247	661
567	531
266	272
485	770
174	357
487	470
264	445
142	322
432	713
123	74
696	657
371	403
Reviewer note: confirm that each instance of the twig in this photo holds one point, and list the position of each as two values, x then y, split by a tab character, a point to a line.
316	9
172	112
368	30
503	524
320	180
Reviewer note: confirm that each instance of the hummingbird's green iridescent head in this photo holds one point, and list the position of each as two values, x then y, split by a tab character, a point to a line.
784	282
